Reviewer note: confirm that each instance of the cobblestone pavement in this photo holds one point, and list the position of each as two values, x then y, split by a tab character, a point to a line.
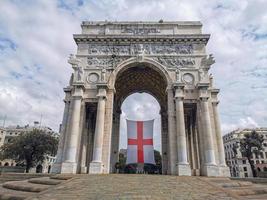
134	187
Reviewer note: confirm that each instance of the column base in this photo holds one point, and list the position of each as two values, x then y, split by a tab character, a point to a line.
84	170
183	170
224	171
210	170
69	168
95	168
56	168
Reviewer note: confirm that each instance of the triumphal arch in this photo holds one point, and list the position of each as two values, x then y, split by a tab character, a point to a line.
165	59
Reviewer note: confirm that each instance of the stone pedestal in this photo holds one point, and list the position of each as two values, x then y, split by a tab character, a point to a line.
56	168
69	168
183	170
224	171
83	170
95	168
210	170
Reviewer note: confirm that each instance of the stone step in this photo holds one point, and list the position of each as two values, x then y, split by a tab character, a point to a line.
250	190
25	186
61	177
9	194
255	197
45	181
235	184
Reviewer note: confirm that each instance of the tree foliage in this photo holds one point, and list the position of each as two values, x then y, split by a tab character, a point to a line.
30	148
251	143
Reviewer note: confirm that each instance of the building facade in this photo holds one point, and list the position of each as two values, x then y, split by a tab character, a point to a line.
7	133
239	165
165	59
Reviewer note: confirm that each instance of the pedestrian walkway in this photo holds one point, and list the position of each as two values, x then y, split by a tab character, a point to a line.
135	187
131	186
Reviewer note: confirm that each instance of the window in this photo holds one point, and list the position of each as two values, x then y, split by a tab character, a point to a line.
261	154
257	162
262	161
245	169
257	156
246	174
253	162
244	162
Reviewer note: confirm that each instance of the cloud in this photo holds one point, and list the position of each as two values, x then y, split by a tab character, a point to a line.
36	39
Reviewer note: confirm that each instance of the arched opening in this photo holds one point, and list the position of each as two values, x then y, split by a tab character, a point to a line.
49	169
140	106
39	168
139	86
6	164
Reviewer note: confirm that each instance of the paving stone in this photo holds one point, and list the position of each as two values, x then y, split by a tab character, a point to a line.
134	187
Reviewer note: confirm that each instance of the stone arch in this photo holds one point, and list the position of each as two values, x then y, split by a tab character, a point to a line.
133	61
131	77
6	164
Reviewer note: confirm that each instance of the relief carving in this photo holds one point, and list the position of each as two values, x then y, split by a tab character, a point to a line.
173	62
105	61
171	49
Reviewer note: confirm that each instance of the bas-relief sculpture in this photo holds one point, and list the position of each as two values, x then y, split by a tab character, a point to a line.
169	63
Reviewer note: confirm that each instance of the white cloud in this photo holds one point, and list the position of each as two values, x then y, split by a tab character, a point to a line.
36	39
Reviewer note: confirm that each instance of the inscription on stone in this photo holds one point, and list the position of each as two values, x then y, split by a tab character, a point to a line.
139	30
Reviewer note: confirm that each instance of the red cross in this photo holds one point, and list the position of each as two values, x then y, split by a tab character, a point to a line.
140	142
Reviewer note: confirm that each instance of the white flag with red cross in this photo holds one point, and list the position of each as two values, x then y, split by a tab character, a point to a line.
140	142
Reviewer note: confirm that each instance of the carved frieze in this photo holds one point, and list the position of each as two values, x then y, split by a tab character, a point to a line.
174	62
150	49
104	62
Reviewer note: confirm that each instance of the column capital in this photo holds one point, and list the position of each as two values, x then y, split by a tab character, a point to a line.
179	91
203	99
215	103
102	90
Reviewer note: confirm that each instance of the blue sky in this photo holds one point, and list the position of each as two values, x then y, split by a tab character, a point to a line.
36	39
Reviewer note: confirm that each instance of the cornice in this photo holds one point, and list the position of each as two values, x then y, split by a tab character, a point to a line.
193	38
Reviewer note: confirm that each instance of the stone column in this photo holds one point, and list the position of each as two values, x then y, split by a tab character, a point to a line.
223	168
84	141
209	168
164	142
115	141
56	167
70	163
171	134
183	167
96	164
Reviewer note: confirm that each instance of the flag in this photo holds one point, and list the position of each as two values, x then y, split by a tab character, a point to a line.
140	142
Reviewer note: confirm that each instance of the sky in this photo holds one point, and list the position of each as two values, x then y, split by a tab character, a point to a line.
36	40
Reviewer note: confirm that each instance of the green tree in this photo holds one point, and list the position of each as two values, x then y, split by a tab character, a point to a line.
251	143
30	148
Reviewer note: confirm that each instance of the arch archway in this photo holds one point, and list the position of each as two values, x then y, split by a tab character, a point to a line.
138	78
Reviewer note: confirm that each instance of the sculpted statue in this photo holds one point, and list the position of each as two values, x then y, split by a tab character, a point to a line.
211	80
79	73
178	75
103	75
201	74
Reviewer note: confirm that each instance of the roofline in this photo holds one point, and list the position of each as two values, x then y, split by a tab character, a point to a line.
182	23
